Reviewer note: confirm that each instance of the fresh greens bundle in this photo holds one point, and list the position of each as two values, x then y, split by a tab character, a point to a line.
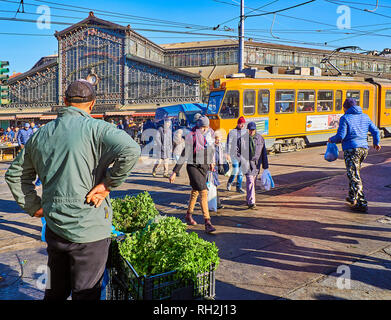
164	245
133	213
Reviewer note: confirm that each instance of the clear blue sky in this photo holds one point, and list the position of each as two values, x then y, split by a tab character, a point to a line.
24	50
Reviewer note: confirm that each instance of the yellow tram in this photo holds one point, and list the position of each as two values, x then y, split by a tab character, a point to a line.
290	110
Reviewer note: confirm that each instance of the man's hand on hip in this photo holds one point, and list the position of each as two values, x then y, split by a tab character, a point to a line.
38	213
97	194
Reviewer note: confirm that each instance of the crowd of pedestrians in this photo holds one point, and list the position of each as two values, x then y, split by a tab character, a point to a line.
80	160
19	134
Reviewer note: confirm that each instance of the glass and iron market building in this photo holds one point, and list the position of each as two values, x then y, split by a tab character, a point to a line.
134	76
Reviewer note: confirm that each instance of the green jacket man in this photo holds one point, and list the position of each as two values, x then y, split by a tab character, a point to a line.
79	160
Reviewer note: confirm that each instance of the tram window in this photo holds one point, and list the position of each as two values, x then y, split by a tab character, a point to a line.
338	100
230	107
263	101
355	95
248	102
285	101
306	101
325	101
365	102
388	99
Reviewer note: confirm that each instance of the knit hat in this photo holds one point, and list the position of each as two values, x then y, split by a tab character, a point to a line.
197	116
349	102
203	122
241	120
27	125
252	126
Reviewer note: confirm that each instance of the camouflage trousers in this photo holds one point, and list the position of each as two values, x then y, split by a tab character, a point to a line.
353	160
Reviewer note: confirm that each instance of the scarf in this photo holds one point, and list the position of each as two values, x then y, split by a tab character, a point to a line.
252	147
199	140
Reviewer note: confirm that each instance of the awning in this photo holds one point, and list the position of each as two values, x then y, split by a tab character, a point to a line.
144	114
28	116
48	117
119	113
100	115
7	117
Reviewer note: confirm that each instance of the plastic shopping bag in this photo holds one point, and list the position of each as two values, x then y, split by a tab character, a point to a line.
331	152
212	193
43	239
266	179
227	169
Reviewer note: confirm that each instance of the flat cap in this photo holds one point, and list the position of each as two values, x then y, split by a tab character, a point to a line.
80	91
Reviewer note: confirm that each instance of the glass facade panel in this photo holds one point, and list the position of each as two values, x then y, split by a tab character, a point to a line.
99	52
36	91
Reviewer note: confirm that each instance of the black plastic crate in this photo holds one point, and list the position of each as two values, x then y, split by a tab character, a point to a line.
125	283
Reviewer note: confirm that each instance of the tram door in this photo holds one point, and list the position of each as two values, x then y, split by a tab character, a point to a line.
385	106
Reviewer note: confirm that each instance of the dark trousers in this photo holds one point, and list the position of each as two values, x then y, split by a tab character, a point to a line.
75	268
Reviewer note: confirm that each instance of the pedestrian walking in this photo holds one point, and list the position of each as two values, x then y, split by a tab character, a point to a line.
199	155
353	133
120	125
164	148
179	145
219	164
234	154
24	135
72	155
256	154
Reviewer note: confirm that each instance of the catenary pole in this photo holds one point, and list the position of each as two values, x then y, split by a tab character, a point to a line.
241	38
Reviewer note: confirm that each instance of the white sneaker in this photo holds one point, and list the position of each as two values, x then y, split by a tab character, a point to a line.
229	185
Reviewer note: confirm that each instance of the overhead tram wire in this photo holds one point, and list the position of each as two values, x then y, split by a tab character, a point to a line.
309	20
81	18
182	32
365	4
237	17
277	11
117	15
135	29
337	2
121	14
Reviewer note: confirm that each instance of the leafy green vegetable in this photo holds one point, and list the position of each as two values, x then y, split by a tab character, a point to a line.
164	245
133	213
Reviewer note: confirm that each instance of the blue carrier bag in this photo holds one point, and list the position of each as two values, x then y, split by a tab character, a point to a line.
331	152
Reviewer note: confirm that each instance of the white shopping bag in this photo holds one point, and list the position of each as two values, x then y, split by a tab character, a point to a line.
212	193
265	181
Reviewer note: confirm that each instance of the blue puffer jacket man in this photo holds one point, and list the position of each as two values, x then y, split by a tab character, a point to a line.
353	128
352	132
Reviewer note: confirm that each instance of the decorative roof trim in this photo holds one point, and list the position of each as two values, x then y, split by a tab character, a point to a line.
163	66
32	71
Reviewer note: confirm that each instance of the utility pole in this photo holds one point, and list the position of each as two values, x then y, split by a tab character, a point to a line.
241	38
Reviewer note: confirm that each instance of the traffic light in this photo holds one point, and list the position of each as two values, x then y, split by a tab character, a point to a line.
4	94
4	89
